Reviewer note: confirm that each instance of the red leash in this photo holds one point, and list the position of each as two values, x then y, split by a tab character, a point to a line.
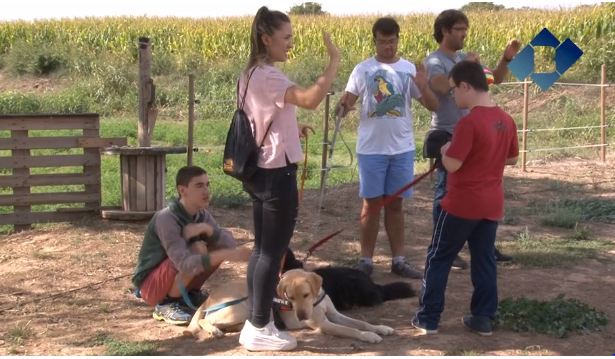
387	200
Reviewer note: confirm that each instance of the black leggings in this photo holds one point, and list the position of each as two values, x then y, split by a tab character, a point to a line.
275	205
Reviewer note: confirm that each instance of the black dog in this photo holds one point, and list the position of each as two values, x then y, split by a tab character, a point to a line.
349	287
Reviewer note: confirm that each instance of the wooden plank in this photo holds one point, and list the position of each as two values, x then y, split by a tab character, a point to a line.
141	190
79	210
48	122
125	177
138	151
27	199
102	142
127	216
58	142
20	209
23	162
150	183
132	180
93	170
56	179
161	173
41	217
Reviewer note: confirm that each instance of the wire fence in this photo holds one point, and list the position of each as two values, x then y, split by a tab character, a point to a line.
524	131
603	126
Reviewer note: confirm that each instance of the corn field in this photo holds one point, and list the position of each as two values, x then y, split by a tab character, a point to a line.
185	43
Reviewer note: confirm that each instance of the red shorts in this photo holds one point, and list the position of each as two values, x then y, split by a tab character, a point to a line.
158	283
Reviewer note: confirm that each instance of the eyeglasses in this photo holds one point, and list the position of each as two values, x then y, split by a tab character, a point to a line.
459	28
451	90
384	42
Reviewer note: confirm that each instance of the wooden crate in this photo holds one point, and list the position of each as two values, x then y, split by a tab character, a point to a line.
21	142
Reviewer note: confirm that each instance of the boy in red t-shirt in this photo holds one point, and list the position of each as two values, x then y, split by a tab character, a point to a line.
484	142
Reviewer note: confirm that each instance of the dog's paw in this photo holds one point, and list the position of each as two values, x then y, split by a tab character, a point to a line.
383	330
370	337
216	332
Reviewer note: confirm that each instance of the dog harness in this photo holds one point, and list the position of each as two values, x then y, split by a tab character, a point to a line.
283	305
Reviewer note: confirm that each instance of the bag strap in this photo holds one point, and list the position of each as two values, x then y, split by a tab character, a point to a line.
243	100
245	91
264	137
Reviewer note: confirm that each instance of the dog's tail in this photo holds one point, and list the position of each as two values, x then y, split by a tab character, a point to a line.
396	290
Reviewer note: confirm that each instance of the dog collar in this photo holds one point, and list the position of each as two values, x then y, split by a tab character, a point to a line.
321	298
285	305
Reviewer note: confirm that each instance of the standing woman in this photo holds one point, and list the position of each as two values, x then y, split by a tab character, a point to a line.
270	103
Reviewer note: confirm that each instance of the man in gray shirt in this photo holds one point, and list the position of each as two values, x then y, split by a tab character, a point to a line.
450	30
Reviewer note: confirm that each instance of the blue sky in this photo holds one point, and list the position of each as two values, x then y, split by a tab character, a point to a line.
40	9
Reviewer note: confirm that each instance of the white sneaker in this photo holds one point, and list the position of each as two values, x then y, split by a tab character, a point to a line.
268	338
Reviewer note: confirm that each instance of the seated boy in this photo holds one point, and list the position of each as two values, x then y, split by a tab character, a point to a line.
182	247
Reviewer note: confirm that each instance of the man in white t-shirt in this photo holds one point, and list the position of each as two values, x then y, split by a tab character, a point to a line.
386	84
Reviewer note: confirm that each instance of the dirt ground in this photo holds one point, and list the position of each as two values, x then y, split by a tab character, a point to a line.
61	257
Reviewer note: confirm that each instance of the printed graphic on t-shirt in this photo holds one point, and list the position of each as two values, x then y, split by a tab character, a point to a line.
500	126
388	93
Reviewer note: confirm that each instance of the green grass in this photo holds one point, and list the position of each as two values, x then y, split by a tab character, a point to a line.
463	352
19	333
558	317
567	212
561	217
116	347
529	250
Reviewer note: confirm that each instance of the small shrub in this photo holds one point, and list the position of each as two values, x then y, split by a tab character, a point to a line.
19	333
35	59
581	233
561	217
558	317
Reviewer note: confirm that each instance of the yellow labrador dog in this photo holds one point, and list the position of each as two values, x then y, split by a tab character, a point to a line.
227	319
312	308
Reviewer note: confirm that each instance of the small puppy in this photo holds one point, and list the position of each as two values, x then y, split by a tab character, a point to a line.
312	308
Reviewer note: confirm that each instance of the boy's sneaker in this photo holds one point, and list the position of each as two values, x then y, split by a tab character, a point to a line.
268	338
501	257
404	269
171	313
422	328
365	267
480	325
459	263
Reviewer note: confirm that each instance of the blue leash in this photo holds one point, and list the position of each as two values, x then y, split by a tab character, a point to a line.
184	293
211	309
217	307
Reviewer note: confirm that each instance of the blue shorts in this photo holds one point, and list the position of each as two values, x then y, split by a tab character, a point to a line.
385	174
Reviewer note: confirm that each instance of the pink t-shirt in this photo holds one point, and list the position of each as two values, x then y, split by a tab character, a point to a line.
264	104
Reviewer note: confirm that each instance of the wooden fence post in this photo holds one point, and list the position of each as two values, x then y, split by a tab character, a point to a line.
524	134
603	114
190	117
147	94
325	142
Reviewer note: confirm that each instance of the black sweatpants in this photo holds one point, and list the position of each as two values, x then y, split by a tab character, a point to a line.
275	205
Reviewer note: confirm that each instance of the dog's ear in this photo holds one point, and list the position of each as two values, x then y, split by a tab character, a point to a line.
315	283
281	288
